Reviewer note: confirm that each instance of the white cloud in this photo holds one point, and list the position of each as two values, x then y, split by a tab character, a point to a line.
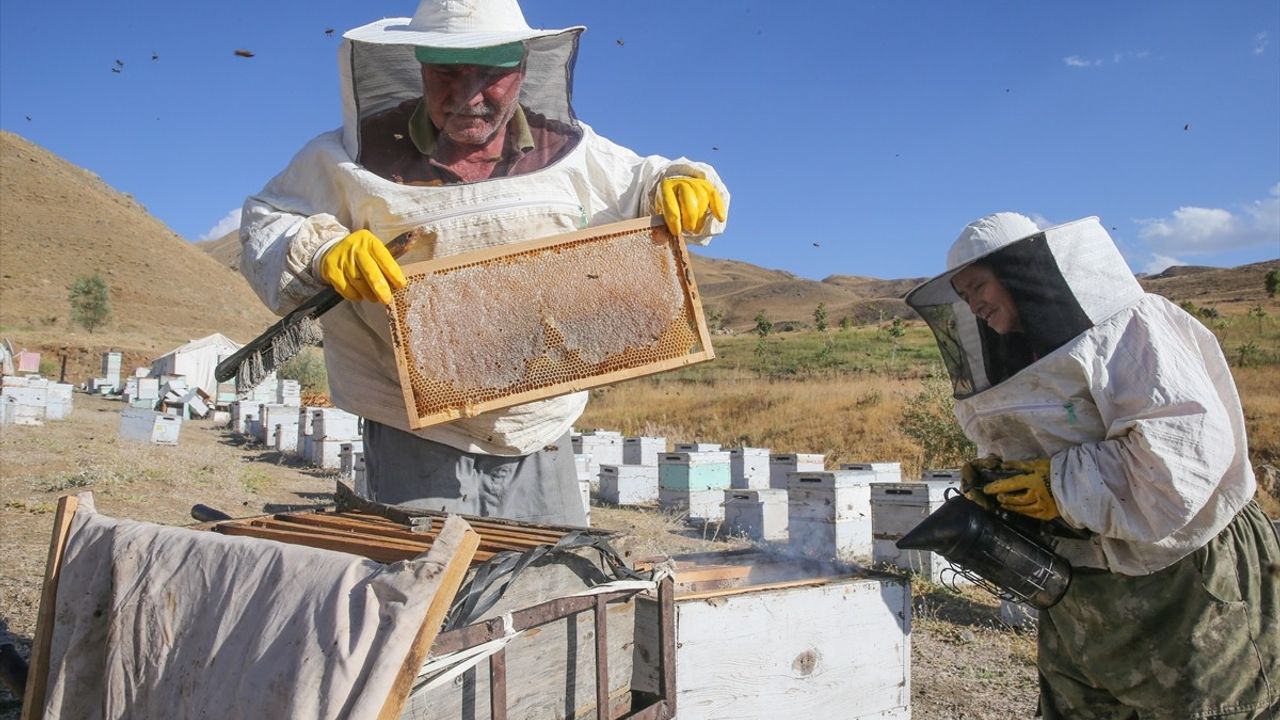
1079	62
229	222
1199	231
1117	56
1260	43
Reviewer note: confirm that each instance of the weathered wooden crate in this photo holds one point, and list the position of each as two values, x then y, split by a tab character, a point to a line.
781	465
629	484
757	514
643	450
896	508
749	468
693	471
760	637
700	505
829	513
506	325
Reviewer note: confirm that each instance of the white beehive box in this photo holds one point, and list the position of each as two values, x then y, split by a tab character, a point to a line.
334	424
781	465
602	447
289	392
829	513
111	362
148	388
949	474
584	489
749	468
59	401
689	447
285	438
25	400
629	484
327	453
348	454
758	638
699	505
756	514
896	508
304	419
149	426
359	481
885	471
272	414
643	450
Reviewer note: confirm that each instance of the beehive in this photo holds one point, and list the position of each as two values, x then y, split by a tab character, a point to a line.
629	484
829	513
887	472
781	465
898	507
749	468
643	450
698	505
599	447
693	471
757	514
497	327
697	447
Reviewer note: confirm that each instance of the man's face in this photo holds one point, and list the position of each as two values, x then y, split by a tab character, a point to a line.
978	286
471	103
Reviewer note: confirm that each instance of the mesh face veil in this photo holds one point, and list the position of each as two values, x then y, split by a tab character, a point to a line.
1004	310
387	109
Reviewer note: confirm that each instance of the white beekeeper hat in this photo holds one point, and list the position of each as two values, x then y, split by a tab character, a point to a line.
456	24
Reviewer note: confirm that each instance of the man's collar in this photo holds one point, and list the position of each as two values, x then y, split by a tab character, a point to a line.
423	133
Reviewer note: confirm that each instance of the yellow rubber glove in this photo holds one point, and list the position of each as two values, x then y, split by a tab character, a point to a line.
1028	493
360	267
971	479
684	201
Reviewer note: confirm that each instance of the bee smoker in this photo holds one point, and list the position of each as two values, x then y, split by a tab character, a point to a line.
994	553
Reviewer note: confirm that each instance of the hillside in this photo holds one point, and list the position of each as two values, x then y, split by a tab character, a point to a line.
59	222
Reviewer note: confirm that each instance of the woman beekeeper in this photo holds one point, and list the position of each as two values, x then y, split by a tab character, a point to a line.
1123	414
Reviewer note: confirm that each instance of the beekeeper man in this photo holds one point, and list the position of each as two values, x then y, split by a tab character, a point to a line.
1121	415
458	121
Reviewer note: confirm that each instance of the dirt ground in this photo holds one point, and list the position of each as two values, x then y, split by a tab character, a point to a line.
965	665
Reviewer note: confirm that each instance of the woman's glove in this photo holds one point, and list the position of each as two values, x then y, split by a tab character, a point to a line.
684	201
972	479
360	267
1028	493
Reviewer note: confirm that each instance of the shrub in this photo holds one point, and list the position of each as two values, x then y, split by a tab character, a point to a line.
929	419
90	300
307	367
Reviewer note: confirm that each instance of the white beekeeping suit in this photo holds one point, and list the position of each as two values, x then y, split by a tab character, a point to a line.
1128	395
326	192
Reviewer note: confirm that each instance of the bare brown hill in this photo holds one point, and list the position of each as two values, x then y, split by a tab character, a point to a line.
59	222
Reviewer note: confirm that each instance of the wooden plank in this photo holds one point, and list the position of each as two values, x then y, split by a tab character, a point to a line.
602	658
458	542
324	542
550	534
33	696
350	528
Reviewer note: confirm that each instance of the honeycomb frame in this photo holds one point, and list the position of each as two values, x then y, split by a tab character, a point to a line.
448	345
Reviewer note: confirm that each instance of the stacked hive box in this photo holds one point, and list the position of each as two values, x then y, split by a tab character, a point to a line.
749	468
602	447
111	362
303	447
945	475
829	513
23	399
330	428
694	482
697	447
629	484
643	450
58	401
272	416
898	507
348	454
886	472
289	392
781	465
759	514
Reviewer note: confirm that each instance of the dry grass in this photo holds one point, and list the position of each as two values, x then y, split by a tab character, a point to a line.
850	418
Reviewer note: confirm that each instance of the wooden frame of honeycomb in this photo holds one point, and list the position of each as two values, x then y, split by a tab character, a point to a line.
510	324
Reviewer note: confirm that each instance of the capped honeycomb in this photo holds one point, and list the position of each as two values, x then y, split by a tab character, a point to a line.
502	326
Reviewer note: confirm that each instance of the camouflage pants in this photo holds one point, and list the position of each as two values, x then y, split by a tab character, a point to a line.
1198	639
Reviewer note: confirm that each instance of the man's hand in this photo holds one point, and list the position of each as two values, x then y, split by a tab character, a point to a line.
359	267
1028	493
684	202
971	479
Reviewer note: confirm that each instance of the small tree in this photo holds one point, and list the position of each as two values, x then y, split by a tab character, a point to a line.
715	319
90	300
846	322
820	317
1273	283
929	419
897	329
1258	313
763	326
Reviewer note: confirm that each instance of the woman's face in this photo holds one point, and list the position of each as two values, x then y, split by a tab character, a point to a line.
987	298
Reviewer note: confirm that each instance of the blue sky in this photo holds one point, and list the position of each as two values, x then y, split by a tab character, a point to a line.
874	129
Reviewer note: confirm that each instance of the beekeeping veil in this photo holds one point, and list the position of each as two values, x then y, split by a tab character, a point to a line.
380	69
1063	281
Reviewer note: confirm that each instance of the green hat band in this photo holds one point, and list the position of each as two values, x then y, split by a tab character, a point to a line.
503	56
